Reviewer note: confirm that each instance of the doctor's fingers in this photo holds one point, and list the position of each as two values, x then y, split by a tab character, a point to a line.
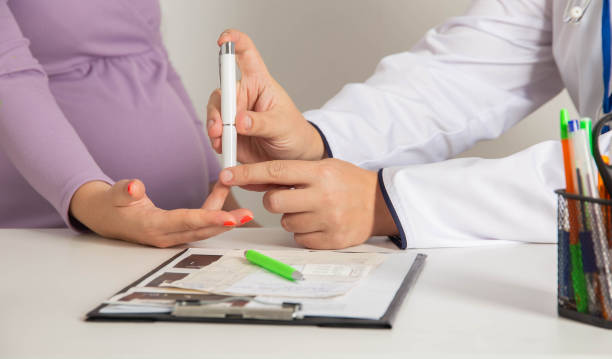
263	187
214	123
305	222
319	240
284	172
214	126
267	125
248	58
290	200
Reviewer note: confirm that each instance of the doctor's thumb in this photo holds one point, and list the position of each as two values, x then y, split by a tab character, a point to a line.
258	124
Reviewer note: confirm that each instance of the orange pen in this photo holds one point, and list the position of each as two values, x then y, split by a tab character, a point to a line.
607	209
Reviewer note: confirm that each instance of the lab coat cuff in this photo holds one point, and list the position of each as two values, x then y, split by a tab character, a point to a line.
400	240
324	139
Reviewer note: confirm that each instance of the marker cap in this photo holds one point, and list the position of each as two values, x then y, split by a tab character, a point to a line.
586	124
564	119
573	125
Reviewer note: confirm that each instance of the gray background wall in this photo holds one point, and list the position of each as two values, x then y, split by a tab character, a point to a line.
314	47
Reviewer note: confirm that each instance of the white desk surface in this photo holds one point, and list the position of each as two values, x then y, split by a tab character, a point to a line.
472	302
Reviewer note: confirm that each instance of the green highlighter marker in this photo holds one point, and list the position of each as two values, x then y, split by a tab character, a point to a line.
585	123
272	265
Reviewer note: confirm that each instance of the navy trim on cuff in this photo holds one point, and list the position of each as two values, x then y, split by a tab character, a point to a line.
325	144
400	240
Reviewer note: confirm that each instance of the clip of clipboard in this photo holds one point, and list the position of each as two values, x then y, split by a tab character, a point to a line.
285	313
272	311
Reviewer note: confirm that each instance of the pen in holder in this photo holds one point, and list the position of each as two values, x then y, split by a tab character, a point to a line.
584	275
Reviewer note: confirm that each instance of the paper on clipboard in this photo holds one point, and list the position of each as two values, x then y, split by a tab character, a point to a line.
327	274
369	298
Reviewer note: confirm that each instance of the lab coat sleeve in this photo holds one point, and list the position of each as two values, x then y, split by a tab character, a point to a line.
467	201
467	80
34	133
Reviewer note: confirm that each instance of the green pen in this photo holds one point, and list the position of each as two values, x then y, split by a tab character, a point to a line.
272	265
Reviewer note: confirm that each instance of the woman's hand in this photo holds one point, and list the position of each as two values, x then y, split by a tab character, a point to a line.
328	204
124	211
269	125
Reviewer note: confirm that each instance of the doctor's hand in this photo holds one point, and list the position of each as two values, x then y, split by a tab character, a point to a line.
268	123
328	204
124	211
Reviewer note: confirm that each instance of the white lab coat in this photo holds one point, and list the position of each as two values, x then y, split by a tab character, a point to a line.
468	80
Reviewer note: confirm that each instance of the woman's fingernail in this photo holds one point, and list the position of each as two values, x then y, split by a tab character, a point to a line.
248	123
226	176
130	188
246	219
209	124
229	224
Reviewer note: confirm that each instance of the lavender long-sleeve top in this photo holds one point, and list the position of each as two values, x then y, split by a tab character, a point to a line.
87	93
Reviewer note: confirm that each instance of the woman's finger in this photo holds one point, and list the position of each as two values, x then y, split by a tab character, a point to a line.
242	216
180	220
126	192
217	197
238	217
177	238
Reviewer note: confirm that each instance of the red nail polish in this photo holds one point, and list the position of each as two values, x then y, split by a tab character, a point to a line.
130	188
229	224
246	219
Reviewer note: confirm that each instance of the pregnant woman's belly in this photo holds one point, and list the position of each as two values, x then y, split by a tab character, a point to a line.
134	124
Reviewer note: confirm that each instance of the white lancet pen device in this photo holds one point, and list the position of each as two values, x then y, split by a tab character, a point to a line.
227	74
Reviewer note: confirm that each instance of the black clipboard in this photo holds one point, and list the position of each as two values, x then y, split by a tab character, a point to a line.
385	322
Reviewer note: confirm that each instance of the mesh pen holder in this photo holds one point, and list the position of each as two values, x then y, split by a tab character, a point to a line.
584	260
